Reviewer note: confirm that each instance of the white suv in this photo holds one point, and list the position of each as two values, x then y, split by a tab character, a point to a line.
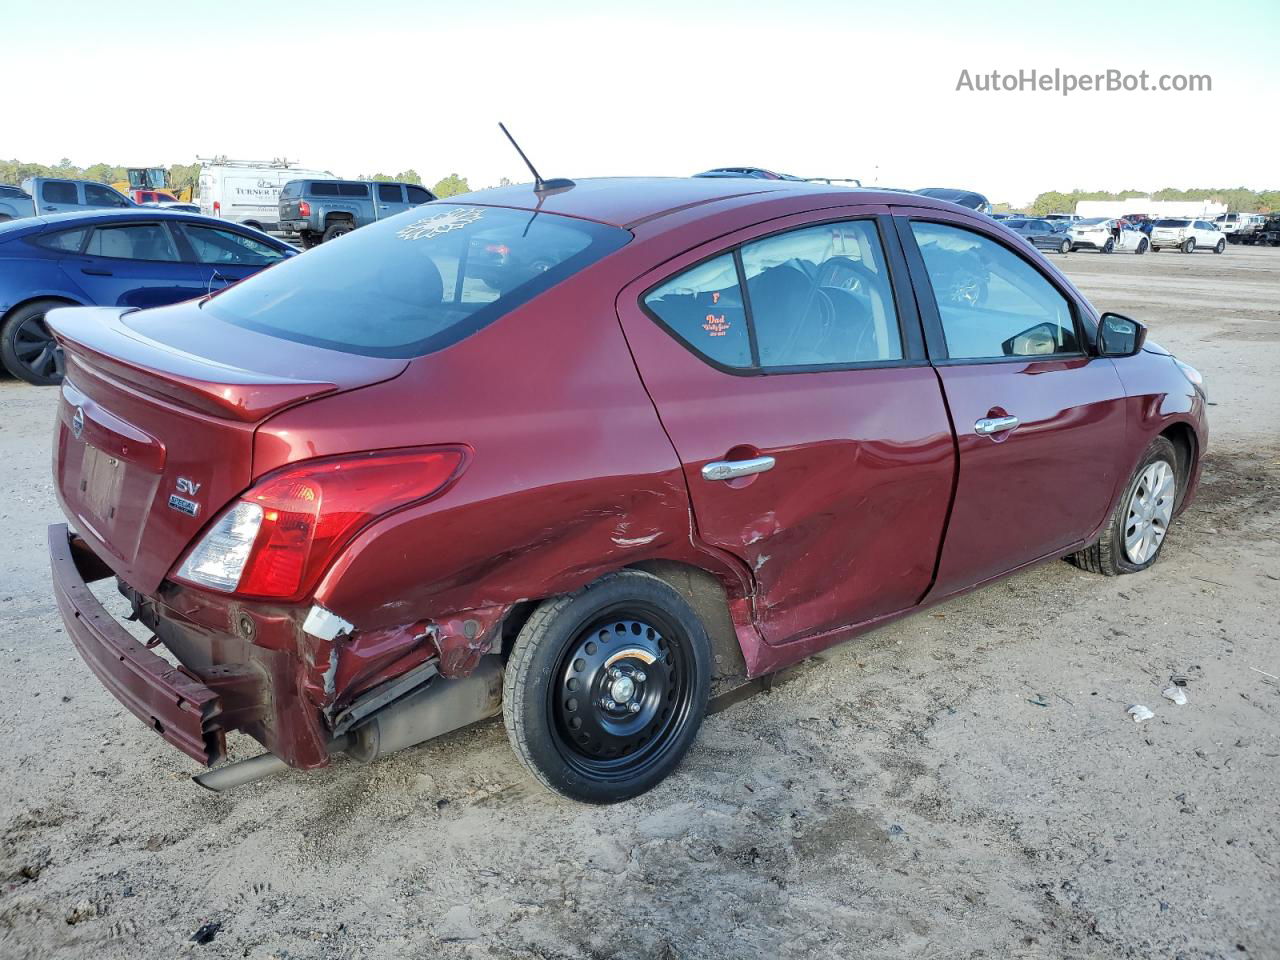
1187	235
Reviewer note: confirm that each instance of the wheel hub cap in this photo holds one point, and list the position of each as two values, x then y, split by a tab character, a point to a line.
1150	512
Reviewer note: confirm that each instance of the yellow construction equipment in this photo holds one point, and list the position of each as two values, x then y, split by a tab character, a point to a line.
143	183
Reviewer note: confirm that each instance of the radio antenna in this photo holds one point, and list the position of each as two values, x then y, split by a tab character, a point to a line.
539	185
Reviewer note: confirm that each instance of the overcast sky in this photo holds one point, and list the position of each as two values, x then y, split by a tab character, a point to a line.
848	89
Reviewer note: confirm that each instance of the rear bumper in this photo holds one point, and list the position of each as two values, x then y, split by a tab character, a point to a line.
179	707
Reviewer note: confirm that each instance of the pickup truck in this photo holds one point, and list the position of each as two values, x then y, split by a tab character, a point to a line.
319	210
40	195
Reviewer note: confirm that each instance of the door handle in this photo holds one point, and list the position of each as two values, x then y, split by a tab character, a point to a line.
96	273
989	425
732	469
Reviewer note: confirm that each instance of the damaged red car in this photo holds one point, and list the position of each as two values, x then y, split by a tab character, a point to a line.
576	455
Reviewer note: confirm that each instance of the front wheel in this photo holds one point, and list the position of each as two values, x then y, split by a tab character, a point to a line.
27	347
1064	247
1109	246
1142	247
605	688
1155	249
1221	247
1136	530
1189	246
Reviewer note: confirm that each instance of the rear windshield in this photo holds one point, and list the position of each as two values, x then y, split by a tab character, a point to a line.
292	189
1173	223
417	282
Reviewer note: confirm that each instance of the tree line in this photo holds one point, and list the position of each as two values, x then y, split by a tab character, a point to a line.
188	175
1237	199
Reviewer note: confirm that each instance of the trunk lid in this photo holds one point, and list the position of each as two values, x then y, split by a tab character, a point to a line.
155	429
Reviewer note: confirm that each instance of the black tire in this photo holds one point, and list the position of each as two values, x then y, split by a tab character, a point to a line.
27	348
1142	246
1155	249
642	628
1110	245
307	239
1221	247
1064	247
339	228
1107	555
1189	245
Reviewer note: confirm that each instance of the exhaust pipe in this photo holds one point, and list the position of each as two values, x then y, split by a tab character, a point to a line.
438	707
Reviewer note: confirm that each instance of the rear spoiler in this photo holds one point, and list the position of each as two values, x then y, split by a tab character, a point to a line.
97	339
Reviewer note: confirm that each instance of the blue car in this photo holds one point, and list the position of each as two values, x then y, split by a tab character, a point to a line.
126	257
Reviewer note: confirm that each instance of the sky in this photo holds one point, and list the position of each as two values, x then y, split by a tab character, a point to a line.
815	88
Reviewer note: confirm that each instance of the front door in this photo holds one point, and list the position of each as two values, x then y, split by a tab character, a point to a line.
787	366
1039	423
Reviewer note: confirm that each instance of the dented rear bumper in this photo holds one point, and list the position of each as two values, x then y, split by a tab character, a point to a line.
175	704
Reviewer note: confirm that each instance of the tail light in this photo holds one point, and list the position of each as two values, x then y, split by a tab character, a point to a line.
282	534
304	208
217	209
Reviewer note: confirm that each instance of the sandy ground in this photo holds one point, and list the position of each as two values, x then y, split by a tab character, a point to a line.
964	783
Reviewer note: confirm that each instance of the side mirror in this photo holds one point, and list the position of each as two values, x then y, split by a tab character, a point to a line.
1120	336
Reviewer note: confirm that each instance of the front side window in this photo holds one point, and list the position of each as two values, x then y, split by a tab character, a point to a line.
991	302
703	307
134	241
821	296
58	191
212	245
418	195
416	282
96	194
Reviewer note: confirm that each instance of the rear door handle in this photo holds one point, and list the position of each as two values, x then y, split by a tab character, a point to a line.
95	273
989	425
732	469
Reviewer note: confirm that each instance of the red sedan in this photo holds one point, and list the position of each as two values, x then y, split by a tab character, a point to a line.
573	455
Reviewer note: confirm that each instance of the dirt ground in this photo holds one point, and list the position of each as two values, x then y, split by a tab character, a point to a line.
964	783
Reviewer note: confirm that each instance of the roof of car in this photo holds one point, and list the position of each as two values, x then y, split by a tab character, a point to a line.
629	201
124	213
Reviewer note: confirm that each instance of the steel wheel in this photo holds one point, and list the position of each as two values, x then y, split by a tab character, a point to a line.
624	694
1150	512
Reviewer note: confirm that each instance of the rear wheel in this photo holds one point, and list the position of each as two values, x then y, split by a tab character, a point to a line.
606	688
339	228
1142	246
1136	530
1222	246
1155	249
1064	246
1189	245
1109	246
27	347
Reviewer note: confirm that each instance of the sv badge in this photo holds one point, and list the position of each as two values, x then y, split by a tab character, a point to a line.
183	504
189	487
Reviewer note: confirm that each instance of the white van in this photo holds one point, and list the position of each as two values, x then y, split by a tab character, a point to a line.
248	191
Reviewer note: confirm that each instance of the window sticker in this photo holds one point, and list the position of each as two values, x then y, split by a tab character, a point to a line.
716	326
440	224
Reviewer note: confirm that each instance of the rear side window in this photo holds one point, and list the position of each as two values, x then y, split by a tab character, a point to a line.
703	307
821	296
992	303
416	282
390	193
324	189
134	241
418	195
65	241
353	190
58	191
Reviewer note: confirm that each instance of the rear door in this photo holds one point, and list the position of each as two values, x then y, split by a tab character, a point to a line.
787	366
135	264
57	196
390	200
1040	424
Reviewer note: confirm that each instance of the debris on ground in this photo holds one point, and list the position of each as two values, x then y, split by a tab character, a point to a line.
1139	713
206	933
1176	694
